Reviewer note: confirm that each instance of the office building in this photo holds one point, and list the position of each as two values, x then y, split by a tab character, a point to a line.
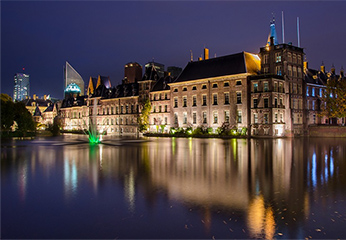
21	88
72	76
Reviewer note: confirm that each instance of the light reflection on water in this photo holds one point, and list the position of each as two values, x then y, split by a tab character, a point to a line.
177	188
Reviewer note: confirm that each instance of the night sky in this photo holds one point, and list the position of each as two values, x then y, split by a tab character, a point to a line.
101	37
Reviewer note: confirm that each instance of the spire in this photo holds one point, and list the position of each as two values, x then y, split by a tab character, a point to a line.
272	33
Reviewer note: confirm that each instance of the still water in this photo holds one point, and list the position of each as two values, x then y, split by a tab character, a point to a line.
174	188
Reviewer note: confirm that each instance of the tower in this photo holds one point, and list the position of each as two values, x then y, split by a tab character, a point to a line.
285	61
21	88
272	34
132	72
72	76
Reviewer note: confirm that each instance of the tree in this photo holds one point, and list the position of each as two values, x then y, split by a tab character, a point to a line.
23	118
7	112
143	120
334	99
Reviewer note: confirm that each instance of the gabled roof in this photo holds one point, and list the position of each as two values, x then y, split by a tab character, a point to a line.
162	84
92	85
103	80
50	108
39	102
151	74
37	112
313	76
125	90
221	66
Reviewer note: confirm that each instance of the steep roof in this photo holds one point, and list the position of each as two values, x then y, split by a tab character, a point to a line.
162	84
313	76
151	74
39	102
221	66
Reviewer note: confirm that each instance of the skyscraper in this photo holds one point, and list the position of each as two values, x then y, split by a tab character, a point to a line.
160	68
72	76
21	86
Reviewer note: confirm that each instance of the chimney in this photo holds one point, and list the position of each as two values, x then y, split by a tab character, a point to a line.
45	97
332	69
342	72
200	59
271	41
305	65
206	53
323	68
34	97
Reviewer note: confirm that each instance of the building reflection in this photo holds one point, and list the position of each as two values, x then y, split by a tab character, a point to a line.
270	181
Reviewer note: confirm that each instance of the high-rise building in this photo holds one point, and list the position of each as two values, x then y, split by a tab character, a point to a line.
133	72
72	76
174	71
160	68
21	86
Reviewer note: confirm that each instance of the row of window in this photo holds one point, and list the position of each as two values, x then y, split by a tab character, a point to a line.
204	86
266	120
123	109
278	87
276	104
312	91
293	58
215	117
204	100
160	108
159	96
116	121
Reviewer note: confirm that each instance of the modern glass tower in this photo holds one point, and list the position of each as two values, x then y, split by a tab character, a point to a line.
21	86
72	76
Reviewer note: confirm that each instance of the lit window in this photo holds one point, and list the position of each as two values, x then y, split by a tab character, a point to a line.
215	99
215	117
239	117
226	98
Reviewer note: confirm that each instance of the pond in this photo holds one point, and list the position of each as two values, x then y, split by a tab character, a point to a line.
173	188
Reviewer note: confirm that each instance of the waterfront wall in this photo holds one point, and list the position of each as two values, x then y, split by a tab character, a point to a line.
327	131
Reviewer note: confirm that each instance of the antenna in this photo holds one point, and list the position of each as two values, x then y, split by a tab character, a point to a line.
298	31
191	56
283	27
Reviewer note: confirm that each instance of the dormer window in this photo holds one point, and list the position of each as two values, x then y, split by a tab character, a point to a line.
184	89
194	88
204	86
175	89
215	85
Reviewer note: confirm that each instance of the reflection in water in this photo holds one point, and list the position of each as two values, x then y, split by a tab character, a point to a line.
273	186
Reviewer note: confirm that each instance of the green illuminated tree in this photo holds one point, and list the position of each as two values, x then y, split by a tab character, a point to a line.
143	120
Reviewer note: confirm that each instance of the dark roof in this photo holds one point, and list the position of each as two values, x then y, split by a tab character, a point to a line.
125	90
313	76
151	74
39	102
94	82
226	65
70	102
162	84
49	109
106	81
37	111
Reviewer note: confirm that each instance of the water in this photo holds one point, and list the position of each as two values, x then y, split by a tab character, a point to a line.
173	188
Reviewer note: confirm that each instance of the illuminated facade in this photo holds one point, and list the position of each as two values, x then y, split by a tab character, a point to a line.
270	94
21	88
